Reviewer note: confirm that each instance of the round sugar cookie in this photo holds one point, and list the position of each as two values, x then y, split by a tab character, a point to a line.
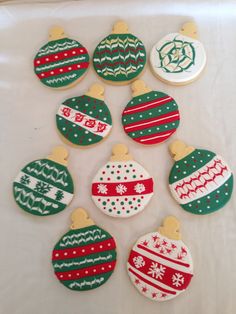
85	120
122	187
85	257
62	62
151	117
44	187
160	265
179	58
200	181
120	57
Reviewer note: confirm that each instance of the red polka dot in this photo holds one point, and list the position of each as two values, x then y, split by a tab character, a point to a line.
126	199
217	196
103	172
138	205
108	179
141	197
134	170
131	206
117	199
178	170
113	166
99	200
123	207
196	206
108	200
117	171
134	199
141	176
195	160
125	178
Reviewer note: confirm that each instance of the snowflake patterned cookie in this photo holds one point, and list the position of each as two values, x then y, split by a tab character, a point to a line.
160	265
151	117
200	181
120	57
122	188
85	257
84	120
179	58
44	187
62	62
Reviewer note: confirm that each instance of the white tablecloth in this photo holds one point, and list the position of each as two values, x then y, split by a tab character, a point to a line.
208	110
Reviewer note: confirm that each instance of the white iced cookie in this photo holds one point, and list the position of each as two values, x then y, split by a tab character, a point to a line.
179	58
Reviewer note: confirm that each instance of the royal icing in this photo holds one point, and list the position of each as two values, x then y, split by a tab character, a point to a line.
177	58
62	61
120	57
122	188
150	117
43	187
85	257
201	182
159	267
84	120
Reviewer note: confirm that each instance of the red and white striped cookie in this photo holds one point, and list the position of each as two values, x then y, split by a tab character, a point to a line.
160	265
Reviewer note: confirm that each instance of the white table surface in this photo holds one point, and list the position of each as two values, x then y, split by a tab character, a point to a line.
208	110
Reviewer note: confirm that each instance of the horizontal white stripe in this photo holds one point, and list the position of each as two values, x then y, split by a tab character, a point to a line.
51	194
152	138
148	105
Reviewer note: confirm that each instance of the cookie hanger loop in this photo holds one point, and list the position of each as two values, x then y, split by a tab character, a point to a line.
179	150
120	27
56	32
80	219
59	155
96	91
189	29
120	153
170	228
139	87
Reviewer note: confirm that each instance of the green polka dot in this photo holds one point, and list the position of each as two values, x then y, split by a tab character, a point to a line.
118	212
104	203
110	210
113	203
121	203
130	202
134	176
118	178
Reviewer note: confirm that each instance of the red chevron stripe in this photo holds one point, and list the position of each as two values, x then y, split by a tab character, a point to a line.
114	64
84	250
86	272
54	57
149	123
150	283
62	70
148	105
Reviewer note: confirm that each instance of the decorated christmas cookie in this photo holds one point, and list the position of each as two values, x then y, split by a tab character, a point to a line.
151	117
122	187
200	181
62	62
160	265
44	187
120	57
85	257
85	120
179	58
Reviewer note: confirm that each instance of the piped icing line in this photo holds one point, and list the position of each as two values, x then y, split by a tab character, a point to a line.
57	47
85	121
62	70
51	191
59	64
157	137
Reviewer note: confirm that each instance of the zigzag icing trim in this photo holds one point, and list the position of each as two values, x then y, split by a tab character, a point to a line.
87	283
202	182
118	42
82	237
129	55
57	47
85	261
61	79
58	176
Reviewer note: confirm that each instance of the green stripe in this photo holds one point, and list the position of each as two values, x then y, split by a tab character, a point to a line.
190	164
84	262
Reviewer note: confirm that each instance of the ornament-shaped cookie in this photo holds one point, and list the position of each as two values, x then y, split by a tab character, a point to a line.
151	117
122	187
179	58
160	265
85	257
85	120
62	62
44	187
120	57
200	181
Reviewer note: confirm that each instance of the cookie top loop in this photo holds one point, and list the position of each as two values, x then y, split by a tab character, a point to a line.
179	150
80	219
96	91
120	153
189	29
120	27
56	32
59	155
139	87
170	228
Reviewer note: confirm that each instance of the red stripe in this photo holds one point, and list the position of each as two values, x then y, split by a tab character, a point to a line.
149	123
149	104
112	188
150	283
101	66
154	138
106	51
54	57
62	70
167	274
86	272
162	256
84	250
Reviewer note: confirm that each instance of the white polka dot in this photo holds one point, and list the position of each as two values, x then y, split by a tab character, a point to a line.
167	107
141	132
149	131
60	118
208	197
38	62
69	275
78	65
177	166
61	70
90	139
159	110
76	135
100	110
166	126
65	54
173	123
175	177
90	112
208	206
81	50
133	134
63	129
184	172
56	57
47	59
77	274
52	72
104	119
86	105
131	102
139	99
86	272
109	244
226	193
86	132
158	129
65	253
208	155
185	161
57	255
73	99
74	125
109	266
193	157
132	118
155	94
42	74
194	166
61	276
218	191
70	68
83	250
148	97
140	116
217	201
201	160
226	184
100	246
199	153
150	113
73	52
94	270
74	252
190	205
198	202
124	120
102	268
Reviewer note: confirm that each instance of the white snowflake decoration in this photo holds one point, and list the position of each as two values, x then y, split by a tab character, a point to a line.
177	280
138	261
139	188
102	188
121	189
157	272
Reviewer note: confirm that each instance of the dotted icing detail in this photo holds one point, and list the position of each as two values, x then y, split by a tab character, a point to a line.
86	123
119	57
